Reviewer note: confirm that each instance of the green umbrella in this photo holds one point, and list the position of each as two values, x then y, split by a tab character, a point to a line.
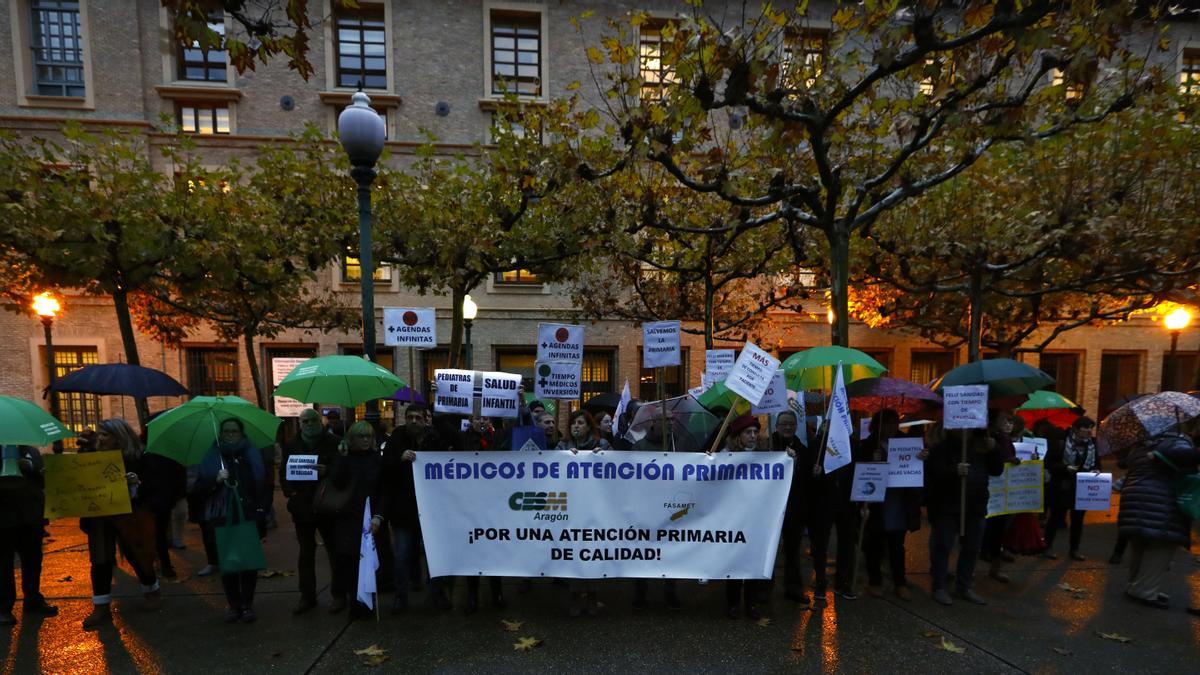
1047	400
186	433
1004	377
23	423
815	368
719	398
344	380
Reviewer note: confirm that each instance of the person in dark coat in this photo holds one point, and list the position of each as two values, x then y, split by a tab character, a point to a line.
944	474
794	518
479	437
231	462
890	521
743	437
992	550
313	439
164	482
1149	518
22	503
354	468
810	506
1074	455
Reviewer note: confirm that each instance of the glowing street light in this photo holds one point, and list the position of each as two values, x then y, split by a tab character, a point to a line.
470	310
47	307
1175	322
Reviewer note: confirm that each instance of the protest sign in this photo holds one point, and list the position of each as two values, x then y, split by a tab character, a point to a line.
864	428
1093	491
560	342
1027	451
660	344
837	446
965	407
718	363
284	406
752	373
775	399
905	469
870	482
499	397
796	404
1018	490
410	327
528	438
555	380
608	514
455	391
86	485
1042	446
695	392
302	467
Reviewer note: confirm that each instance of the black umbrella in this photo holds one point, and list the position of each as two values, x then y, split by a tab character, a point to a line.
607	401
121	379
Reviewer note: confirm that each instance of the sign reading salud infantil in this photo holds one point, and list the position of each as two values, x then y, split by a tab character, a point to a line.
499	396
410	327
660	344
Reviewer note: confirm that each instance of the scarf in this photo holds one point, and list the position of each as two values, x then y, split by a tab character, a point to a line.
1082	456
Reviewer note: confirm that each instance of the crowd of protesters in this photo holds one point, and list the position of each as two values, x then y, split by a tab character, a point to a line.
355	464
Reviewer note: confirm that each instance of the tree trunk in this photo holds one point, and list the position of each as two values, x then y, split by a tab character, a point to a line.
456	326
839	285
709	321
129	342
251	358
975	330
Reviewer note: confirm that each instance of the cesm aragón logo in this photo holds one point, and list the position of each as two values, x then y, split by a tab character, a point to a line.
540	502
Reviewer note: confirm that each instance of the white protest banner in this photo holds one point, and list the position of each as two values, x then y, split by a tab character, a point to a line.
499	397
1042	446
707	381
695	392
302	467
837	446
560	342
905	469
796	403
718	363
1093	491
870	482
965	407
410	327
1018	490
284	406
607	514
864	428
455	391
660	344
752	373
775	399
1026	451
556	380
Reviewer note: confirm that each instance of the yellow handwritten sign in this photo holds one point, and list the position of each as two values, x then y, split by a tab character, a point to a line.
91	484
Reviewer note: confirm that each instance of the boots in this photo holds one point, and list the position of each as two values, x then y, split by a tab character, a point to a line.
996	571
101	615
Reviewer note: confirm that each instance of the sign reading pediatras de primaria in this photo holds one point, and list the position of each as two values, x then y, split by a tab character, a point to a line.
560	342
410	327
660	344
455	391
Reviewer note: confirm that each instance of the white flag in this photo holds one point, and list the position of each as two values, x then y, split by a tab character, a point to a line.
621	406
368	561
837	448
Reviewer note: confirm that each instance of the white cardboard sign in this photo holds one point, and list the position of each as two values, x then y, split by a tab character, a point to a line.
560	342
905	470
1027	451
1093	491
775	400
870	482
718	363
410	327
499	397
660	344
284	406
302	467
752	374
557	380
965	407
455	391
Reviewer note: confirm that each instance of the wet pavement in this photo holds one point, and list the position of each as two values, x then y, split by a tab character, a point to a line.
1031	625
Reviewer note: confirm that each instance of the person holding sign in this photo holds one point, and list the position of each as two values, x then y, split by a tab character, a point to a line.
890	521
1001	429
944	474
584	434
22	501
1076	454
355	473
796	513
132	532
743	437
300	488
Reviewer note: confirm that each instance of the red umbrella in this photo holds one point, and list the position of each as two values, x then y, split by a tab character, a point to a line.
890	393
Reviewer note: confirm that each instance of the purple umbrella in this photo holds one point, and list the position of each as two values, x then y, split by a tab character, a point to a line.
890	393
407	395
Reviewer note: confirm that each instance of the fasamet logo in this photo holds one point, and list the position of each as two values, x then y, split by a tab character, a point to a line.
538	501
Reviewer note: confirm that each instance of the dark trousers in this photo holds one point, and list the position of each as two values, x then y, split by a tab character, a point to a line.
103	541
874	543
1058	516
473	588
25	541
640	586
795	521
847	523
345	575
750	591
208	535
942	538
162	539
239	589
306	565
993	536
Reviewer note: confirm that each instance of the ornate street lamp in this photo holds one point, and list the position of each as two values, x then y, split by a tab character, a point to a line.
470	310
1175	322
47	307
362	133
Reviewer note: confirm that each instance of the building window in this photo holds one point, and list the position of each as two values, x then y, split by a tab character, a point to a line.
928	366
656	74
1189	72
198	64
438	358
201	119
675	378
212	371
804	57
518	362
1077	86
1120	379
57	48
1179	371
516	47
883	356
938	70
1064	368
517	277
598	373
352	271
510	123
383	356
77	410
361	41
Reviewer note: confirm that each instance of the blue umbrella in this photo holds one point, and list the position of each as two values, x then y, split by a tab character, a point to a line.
121	379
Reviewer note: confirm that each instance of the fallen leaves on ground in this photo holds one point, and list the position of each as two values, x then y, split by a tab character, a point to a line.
526	644
1115	637
764	622
1071	589
65	579
511	626
1063	651
269	574
948	646
373	655
931	634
